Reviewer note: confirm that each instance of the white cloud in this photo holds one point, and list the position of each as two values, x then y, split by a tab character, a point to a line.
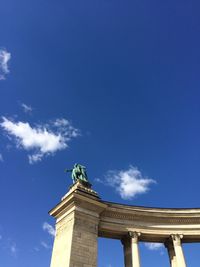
154	246
4	58
128	183
45	245
35	158
1	157
61	122
26	108
42	139
47	227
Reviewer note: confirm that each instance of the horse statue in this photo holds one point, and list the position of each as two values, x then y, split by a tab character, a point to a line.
78	173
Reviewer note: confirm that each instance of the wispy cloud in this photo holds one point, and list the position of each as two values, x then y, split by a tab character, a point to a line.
1	158
13	249
26	108
9	245
42	140
154	246
36	249
128	183
98	180
4	58
45	245
49	228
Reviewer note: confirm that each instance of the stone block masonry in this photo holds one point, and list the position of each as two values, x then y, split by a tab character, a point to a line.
77	215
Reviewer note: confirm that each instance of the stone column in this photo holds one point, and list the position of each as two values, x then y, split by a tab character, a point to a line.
77	221
131	250
135	249
127	251
180	259
171	253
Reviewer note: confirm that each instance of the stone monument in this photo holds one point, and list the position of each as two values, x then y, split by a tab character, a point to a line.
82	217
77	220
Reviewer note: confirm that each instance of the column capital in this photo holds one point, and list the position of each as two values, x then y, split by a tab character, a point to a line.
131	236
134	236
176	238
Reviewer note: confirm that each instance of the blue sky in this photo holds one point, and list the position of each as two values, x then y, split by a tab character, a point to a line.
113	85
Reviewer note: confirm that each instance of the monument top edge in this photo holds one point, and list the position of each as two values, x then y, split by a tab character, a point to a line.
149	208
81	186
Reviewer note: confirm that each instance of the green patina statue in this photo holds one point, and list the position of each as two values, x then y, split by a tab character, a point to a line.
78	173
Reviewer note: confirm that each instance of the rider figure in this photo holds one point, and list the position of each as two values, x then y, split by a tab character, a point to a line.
78	173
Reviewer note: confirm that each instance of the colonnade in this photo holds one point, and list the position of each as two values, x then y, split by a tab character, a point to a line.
132	255
81	217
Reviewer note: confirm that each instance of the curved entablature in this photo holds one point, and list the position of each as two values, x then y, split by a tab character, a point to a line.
154	224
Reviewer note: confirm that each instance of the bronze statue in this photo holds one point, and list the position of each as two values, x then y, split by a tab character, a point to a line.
78	173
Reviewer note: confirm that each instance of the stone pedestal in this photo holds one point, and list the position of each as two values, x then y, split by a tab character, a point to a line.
77	220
